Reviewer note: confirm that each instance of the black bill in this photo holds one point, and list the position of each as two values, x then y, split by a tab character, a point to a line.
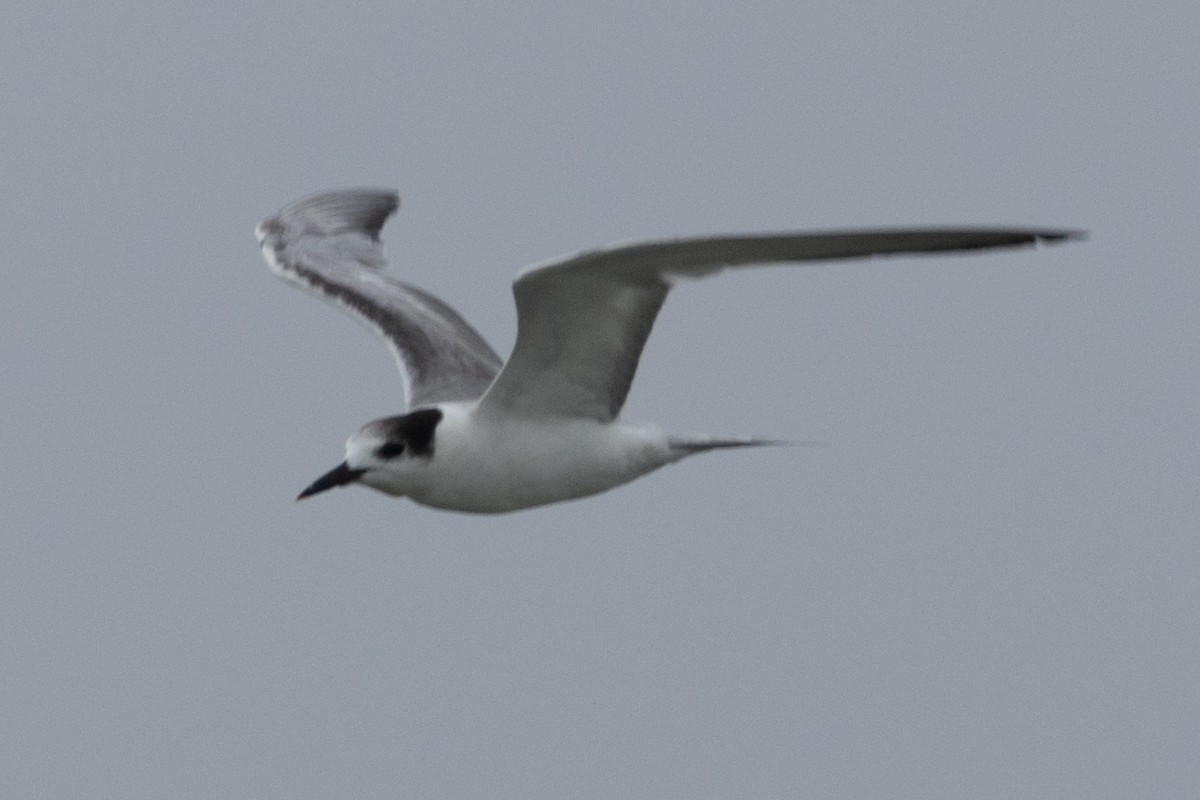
338	476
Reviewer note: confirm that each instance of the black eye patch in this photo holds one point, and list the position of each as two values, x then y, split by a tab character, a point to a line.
390	450
409	434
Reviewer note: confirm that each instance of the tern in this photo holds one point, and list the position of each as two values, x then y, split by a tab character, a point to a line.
482	435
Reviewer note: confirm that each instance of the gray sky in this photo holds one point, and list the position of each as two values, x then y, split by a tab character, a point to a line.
986	586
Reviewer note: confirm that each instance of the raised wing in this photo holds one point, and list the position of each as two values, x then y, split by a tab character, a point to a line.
582	321
328	245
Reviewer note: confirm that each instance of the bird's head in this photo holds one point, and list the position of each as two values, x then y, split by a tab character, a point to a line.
384	454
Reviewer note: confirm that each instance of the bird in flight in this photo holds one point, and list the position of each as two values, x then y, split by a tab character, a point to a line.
484	435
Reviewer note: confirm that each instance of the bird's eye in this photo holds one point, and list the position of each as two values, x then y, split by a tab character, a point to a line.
390	449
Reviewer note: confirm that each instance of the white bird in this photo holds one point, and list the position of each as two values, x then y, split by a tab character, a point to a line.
487	436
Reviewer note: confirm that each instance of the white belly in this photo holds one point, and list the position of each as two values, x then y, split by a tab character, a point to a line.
486	467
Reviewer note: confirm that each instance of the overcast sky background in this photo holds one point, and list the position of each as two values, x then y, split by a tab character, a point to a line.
986	586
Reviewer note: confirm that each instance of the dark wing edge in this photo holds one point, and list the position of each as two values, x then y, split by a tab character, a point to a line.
702	255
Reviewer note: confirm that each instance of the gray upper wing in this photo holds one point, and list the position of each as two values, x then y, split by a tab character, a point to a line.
328	245
583	320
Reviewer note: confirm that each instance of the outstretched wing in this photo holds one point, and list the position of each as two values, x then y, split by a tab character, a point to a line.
328	245
583	320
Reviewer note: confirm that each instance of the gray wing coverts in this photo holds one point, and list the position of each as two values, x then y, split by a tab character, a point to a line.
329	245
583	320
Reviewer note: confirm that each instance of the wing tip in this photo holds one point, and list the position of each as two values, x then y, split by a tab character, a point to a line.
333	212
